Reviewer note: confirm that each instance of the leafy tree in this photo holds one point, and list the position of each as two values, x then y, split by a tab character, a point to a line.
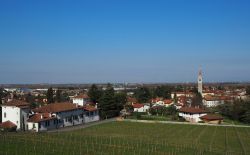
175	98
197	100
58	96
107	105
179	88
163	91
65	97
142	94
1	95
29	98
121	100
248	90
94	93
50	96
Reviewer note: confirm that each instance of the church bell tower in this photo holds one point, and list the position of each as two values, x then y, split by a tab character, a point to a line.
200	82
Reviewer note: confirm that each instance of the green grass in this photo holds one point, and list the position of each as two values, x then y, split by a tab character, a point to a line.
120	138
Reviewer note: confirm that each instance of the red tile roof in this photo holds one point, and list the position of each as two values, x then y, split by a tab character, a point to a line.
8	125
168	101
40	117
17	103
137	105
192	110
130	99
82	96
211	117
89	108
57	107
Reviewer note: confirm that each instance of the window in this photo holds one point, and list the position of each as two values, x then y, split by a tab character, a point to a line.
34	125
81	115
55	121
75	117
5	115
47	123
39	125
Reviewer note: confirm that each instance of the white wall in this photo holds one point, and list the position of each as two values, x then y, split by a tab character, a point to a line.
194	118
12	114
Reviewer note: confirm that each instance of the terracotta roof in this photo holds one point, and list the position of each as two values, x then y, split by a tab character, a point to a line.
211	117
17	103
8	125
89	108
192	110
168	101
137	105
130	99
154	100
82	96
56	107
40	117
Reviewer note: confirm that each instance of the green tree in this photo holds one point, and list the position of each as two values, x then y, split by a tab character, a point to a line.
142	95
29	98
248	90
175	98
50	96
94	93
163	91
1	95
108	107
121	100
197	100
58	96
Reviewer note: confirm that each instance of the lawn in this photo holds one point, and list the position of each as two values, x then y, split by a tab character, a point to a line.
118	138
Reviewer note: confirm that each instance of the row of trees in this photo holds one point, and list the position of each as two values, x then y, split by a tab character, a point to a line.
144	94
109	103
239	111
59	96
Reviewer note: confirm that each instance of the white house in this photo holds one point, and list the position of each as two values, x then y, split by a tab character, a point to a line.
17	112
165	102
140	107
192	114
58	115
212	101
81	99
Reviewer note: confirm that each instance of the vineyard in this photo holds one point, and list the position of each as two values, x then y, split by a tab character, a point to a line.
120	138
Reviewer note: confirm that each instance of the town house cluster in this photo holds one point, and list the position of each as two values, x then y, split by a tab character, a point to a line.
17	114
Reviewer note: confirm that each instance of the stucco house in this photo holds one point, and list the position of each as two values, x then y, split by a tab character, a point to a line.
58	115
17	112
192	114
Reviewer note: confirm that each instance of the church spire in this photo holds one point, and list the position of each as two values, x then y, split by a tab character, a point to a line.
200	82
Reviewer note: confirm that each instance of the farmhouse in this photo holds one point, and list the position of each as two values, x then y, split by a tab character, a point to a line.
58	115
140	107
192	114
212	101
212	119
17	112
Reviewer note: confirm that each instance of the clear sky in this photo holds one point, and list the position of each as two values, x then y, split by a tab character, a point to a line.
56	41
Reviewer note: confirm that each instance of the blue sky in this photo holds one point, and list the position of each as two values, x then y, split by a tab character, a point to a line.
124	41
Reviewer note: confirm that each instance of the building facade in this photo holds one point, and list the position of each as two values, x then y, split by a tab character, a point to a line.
16	112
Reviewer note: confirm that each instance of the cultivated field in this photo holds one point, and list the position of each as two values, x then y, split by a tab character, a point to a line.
118	138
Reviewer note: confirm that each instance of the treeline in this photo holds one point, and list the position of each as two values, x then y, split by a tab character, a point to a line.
144	94
239	111
109	103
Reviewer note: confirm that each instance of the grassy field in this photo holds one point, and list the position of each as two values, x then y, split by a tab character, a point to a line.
118	138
